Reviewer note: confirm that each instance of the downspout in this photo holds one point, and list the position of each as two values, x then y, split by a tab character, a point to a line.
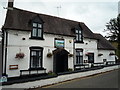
2	50
73	53
6	52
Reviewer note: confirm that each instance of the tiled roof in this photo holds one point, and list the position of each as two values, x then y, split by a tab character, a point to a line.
18	19
103	44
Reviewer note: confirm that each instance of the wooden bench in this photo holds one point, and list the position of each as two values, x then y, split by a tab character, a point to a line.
110	62
32	72
98	64
81	66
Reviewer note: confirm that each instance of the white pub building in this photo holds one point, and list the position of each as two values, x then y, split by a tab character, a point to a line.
35	43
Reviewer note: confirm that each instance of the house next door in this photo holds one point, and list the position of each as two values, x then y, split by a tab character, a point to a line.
60	60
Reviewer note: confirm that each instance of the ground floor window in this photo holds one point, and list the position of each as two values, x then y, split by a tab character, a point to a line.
36	57
79	56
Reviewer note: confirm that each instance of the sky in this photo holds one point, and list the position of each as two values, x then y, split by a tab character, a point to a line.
95	13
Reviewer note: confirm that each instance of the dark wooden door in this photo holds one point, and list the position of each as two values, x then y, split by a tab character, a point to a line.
60	62
91	58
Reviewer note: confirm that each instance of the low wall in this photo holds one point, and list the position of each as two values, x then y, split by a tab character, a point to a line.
60	78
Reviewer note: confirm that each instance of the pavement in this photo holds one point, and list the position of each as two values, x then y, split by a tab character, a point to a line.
103	80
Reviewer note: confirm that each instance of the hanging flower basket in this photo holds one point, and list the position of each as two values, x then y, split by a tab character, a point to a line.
87	54
20	55
49	55
70	55
112	54
100	54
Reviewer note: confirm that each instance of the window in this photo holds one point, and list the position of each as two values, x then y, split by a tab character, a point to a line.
36	57
37	31
79	37
79	56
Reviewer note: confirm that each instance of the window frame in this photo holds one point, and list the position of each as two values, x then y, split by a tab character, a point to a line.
37	36
77	62
78	34
37	49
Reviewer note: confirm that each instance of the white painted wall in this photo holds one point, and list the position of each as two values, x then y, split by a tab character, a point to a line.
106	55
89	45
16	45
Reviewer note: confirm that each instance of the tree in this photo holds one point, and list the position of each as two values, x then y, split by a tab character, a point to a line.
113	28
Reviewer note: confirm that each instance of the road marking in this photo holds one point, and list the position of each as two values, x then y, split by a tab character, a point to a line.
76	79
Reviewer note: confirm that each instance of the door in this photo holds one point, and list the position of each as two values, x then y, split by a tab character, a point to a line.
91	58
60	61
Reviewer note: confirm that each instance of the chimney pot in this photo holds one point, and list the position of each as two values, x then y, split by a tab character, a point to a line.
10	3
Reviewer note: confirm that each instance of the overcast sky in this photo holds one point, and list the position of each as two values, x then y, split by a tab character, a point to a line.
95	13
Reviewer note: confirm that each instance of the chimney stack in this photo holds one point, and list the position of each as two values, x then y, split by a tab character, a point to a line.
10	3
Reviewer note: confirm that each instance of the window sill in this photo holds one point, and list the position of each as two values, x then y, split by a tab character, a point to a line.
79	42
36	38
37	68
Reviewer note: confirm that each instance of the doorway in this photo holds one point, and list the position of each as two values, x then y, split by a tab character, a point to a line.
91	58
60	62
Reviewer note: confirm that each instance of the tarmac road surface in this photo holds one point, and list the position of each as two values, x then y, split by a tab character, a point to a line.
104	80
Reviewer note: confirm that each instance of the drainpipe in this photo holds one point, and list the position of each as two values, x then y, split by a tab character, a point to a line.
6	44
2	50
73	52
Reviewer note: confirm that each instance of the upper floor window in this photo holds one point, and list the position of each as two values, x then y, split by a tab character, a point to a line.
37	30
79	36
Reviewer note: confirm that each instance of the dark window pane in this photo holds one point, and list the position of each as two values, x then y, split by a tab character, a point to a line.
39	32
79	56
34	32
80	32
33	53
36	58
40	25
34	24
76	31
77	38
78	35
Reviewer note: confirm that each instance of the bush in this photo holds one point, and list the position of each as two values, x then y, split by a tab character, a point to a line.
70	69
51	73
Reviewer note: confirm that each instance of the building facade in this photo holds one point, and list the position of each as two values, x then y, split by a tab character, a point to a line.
34	43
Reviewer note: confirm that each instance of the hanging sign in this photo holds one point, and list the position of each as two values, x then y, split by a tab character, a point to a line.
59	43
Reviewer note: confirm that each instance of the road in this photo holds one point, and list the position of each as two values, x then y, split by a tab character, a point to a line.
104	80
